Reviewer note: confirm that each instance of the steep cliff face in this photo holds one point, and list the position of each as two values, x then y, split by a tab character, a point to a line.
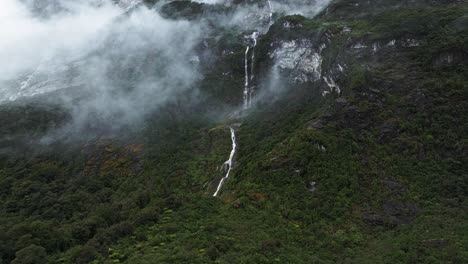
351	150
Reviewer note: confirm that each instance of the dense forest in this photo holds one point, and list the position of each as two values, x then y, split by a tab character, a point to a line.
359	159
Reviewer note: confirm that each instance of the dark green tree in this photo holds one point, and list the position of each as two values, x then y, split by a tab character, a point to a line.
31	255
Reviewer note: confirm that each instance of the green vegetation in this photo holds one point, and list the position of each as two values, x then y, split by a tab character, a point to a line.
377	176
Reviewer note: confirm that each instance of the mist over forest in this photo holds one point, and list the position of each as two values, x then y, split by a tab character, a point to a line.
233	131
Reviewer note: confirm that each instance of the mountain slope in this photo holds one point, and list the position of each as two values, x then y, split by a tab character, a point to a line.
355	154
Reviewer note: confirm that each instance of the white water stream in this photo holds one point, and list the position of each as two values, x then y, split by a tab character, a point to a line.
248	88
229	162
246	83
254	39
271	10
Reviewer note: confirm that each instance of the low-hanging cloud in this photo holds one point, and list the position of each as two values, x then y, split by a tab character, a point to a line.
122	65
307	8
25	39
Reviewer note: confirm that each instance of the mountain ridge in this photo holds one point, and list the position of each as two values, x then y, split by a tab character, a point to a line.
354	152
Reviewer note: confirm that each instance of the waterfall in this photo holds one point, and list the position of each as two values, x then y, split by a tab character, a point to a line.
228	163
271	10
248	95
254	38
246	83
248	89
252	68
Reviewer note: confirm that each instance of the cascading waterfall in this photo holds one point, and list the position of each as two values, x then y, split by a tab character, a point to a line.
246	83
229	162
271	11
248	94
248	88
254	39
252	69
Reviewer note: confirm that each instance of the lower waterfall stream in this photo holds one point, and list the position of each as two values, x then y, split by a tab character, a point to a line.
228	164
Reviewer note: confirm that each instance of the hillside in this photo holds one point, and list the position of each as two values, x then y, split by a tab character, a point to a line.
349	124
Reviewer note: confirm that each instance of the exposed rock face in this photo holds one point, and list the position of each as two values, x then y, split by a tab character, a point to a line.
129	4
182	9
316	124
299	59
52	74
